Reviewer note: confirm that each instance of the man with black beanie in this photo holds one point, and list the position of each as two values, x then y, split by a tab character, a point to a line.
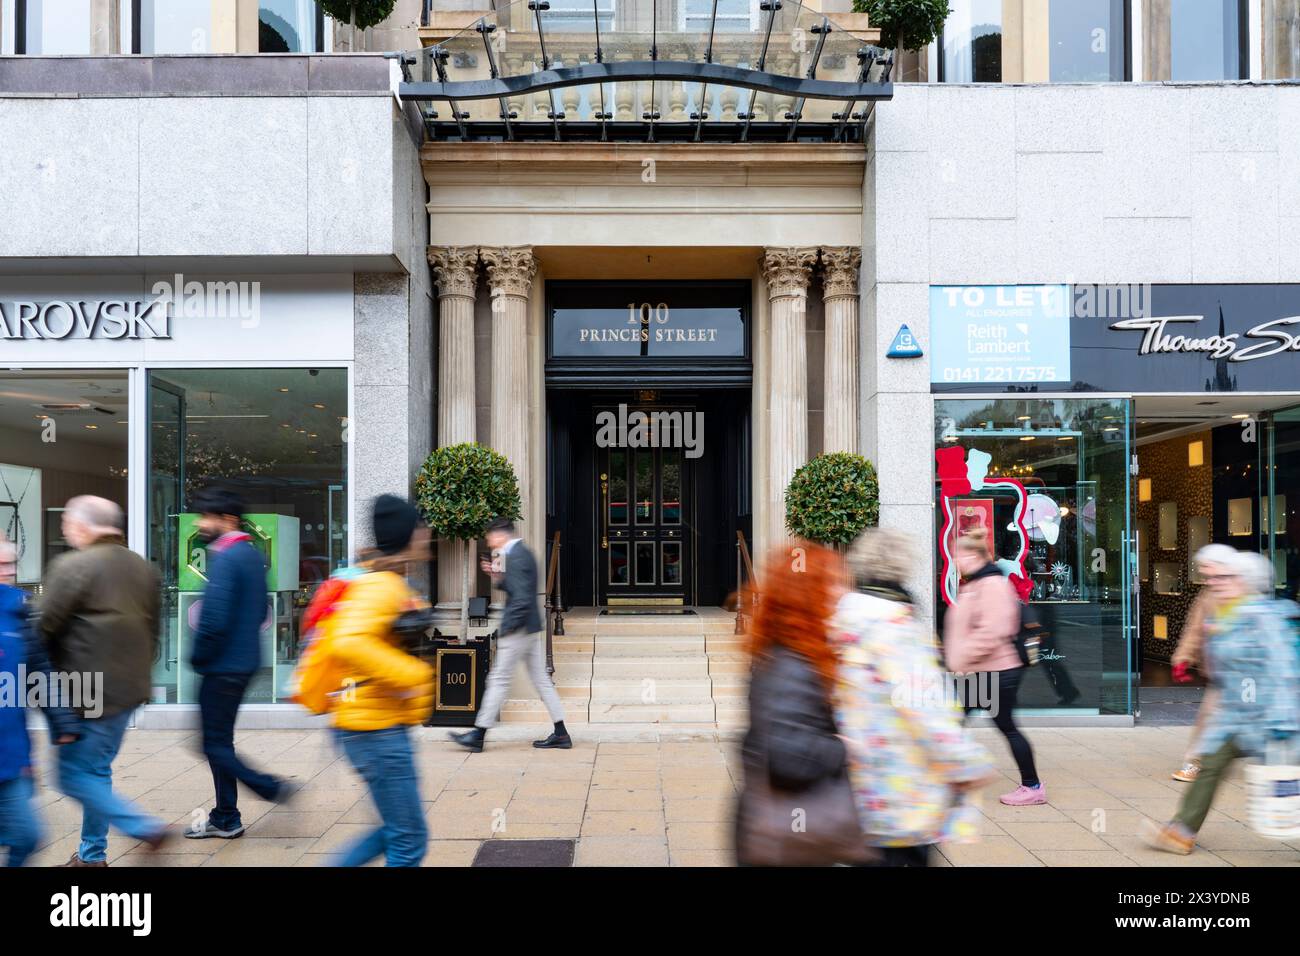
227	653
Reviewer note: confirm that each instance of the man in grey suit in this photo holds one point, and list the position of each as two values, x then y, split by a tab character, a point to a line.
519	639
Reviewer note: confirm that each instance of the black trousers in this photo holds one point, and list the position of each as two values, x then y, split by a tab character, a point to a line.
1002	710
219	698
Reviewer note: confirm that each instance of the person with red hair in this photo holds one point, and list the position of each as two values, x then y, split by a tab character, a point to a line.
794	759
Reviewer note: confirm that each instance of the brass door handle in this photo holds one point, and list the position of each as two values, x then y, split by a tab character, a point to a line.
604	511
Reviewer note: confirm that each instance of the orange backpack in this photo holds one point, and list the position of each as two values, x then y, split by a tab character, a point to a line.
319	676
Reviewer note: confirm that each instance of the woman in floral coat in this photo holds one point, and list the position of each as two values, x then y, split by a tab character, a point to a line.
909	757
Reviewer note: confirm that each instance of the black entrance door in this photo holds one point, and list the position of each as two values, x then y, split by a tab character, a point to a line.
643	552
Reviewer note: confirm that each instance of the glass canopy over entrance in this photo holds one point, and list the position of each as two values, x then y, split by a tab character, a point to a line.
650	70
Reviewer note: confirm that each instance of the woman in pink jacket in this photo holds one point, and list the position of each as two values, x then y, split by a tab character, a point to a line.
979	634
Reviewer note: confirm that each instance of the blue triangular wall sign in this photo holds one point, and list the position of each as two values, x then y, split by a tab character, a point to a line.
904	345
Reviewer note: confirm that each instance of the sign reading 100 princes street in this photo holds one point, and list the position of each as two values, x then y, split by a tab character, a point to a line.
670	323
1115	338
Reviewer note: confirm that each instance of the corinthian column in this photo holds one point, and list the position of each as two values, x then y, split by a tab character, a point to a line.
840	294
510	271
455	271
786	272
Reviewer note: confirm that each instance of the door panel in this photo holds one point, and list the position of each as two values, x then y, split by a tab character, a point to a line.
643	551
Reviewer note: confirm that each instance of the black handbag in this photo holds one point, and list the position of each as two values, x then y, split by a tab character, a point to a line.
1029	639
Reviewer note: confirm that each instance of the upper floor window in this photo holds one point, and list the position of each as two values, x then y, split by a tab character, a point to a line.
94	27
1086	41
971	42
1281	36
50	27
1033	41
581	16
1196	39
290	26
175	26
733	15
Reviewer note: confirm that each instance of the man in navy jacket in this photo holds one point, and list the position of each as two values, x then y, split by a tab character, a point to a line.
227	653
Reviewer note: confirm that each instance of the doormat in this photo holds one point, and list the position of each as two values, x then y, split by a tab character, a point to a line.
612	611
524	853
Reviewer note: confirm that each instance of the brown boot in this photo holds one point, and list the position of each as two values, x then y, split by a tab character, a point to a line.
76	860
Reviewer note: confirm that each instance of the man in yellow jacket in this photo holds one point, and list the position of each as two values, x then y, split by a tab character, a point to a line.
385	690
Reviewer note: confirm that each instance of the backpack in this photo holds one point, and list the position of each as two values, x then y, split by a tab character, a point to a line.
319	676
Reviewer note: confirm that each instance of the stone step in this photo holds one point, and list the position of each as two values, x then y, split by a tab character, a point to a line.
664	647
653	667
729	664
649	625
533	710
652	713
664	691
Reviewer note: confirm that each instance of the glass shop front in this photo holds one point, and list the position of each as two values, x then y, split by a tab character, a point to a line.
1101	446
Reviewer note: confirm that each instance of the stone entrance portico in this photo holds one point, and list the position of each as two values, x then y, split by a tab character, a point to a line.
506	217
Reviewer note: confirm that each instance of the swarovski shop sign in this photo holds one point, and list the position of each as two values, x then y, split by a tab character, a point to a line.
1120	338
88	320
85	319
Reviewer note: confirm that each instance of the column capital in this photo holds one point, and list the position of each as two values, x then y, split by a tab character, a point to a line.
455	269
787	270
510	269
840	265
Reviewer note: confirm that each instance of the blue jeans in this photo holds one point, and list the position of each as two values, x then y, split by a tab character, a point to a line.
20	828
386	762
86	775
219	698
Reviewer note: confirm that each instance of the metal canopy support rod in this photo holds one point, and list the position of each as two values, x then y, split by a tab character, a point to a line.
822	30
440	64
771	6
595	14
866	57
485	28
554	115
702	107
537	6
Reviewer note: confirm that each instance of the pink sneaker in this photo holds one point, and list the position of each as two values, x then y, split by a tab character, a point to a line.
1024	796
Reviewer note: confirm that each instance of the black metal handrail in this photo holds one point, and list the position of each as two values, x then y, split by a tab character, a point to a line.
746	583
554	603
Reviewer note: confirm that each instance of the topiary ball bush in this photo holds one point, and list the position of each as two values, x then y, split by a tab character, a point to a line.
461	488
832	498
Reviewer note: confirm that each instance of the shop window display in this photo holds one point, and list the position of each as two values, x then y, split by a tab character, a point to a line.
1048	479
278	438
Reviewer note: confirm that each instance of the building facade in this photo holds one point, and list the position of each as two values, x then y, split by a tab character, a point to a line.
753	231
211	270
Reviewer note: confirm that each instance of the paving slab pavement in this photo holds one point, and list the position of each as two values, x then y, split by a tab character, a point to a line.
643	795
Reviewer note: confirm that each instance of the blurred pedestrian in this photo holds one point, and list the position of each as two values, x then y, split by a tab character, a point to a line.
22	660
979	638
796	805
909	756
227	654
1189	655
99	617
519	639
1250	653
385	690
